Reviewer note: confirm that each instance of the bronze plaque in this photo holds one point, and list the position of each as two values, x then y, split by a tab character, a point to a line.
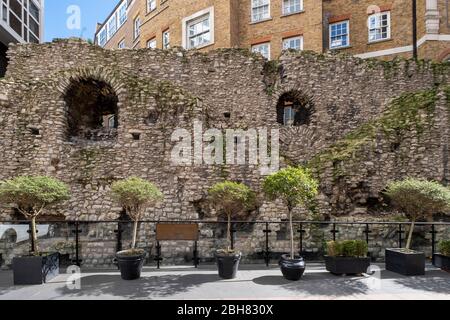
166	232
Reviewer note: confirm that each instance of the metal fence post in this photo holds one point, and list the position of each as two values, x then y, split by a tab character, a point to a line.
77	232
158	258
367	232
31	238
433	242
400	232
267	251
301	231
334	231
119	232
233	231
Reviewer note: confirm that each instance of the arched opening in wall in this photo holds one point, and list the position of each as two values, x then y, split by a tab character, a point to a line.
92	111
294	109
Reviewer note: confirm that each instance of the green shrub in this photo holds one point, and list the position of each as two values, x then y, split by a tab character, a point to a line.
347	248
444	247
134	195
295	187
418	198
232	198
31	195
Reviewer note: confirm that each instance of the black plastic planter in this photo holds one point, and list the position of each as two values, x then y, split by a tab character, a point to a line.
407	263
442	261
347	265
33	270
292	269
130	265
228	264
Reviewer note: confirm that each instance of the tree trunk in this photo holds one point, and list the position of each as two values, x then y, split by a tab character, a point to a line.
229	232
34	245
135	229
291	227
411	229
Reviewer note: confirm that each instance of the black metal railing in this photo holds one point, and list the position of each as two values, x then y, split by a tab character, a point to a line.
75	230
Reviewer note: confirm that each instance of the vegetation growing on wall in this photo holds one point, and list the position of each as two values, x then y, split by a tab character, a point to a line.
411	111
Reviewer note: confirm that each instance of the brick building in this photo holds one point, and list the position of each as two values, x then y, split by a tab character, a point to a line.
20	22
381	28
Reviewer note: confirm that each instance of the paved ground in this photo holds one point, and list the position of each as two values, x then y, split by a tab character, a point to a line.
253	282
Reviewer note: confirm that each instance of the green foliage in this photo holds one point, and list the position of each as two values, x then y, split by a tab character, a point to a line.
31	194
135	193
232	197
403	114
444	247
418	198
347	248
294	185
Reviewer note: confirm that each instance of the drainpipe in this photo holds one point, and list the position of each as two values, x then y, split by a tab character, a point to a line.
414	28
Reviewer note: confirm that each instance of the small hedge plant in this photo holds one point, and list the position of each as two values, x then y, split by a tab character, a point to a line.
444	248
135	195
347	248
31	195
418	198
233	199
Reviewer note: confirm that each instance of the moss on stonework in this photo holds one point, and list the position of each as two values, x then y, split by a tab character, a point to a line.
411	111
271	73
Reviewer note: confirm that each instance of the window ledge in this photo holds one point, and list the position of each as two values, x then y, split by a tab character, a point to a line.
378	41
261	21
202	46
151	11
292	14
340	48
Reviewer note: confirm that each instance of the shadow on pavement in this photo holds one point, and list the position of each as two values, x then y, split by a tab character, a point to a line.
319	283
145	287
437	281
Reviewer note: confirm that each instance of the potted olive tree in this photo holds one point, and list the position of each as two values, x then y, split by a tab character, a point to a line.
231	199
347	257
31	195
416	199
135	195
442	259
295	187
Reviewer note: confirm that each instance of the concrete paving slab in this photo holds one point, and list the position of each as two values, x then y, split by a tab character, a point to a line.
253	282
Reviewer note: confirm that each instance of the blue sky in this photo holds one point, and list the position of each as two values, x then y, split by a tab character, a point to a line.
91	12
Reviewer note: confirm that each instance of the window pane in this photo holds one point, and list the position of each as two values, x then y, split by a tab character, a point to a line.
16	7
15	23
34	27
34	11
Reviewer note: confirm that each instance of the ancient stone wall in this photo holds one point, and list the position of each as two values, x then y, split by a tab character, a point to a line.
369	122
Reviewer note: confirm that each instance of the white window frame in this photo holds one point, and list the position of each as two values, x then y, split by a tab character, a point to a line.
287	40
378	15
151	5
112	119
285	13
136	27
347	22
196	16
151	42
255	7
103	37
112	26
165	36
122	14
289	115
255	49
121	44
